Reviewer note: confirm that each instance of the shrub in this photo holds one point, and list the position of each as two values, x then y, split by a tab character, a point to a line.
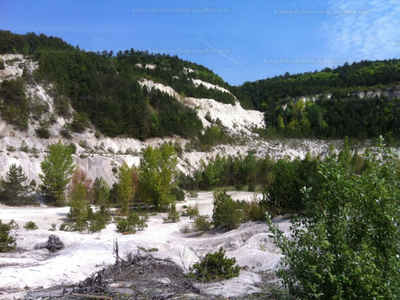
83	144
79	123
7	241
97	221
225	211
347	246
201	223
239	186
30	225
193	194
24	147
173	215
208	117
185	228
252	211
42	132
65	134
14	107
191	211
215	266
178	193
251	187
132	223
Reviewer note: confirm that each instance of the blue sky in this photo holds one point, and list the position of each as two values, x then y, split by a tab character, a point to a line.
239	40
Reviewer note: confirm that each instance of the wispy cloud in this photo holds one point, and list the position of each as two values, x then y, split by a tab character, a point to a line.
370	30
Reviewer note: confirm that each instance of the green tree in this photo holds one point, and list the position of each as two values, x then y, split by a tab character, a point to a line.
347	247
57	168
157	174
7	241
79	211
125	191
281	124
13	189
225	211
101	192
282	195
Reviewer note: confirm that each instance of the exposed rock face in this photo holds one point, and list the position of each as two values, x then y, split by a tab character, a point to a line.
391	92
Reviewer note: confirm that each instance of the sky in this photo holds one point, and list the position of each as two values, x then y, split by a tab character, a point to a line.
241	41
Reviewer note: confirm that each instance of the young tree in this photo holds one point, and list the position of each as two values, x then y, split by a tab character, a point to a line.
156	175
225	212
79	211
57	168
13	190
101	192
80	176
7	241
348	245
125	191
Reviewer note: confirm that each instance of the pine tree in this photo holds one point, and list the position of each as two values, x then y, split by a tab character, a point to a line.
125	189
13	191
79	211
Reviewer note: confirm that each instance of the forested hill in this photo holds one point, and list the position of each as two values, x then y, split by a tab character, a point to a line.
104	88
347	78
335	108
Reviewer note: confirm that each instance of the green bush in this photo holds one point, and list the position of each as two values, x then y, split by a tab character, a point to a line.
65	134
225	212
215	266
30	225
178	193
173	215
132	223
252	211
79	123
201	223
42	132
14	107
191	211
7	241
347	245
97	221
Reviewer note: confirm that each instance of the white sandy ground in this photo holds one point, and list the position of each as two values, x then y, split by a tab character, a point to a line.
84	254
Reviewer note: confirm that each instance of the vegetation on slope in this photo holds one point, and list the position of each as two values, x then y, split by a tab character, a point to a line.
339	114
346	78
104	88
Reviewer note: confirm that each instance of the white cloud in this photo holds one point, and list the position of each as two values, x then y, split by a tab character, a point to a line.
365	30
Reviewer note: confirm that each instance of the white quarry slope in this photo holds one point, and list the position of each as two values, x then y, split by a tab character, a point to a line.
237	119
84	254
198	82
100	155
